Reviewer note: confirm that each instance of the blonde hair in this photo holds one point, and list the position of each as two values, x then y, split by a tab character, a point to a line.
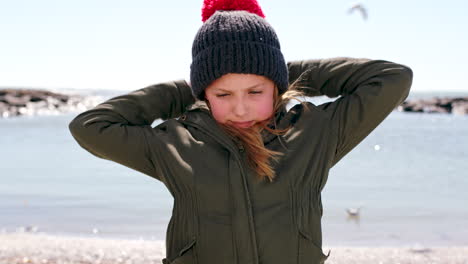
259	157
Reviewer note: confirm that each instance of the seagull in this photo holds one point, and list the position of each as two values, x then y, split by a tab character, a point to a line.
359	7
353	212
418	248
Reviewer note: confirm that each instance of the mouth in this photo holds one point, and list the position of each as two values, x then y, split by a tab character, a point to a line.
243	124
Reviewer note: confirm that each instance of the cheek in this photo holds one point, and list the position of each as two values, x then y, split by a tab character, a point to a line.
264	108
219	110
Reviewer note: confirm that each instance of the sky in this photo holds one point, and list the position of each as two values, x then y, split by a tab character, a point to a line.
128	45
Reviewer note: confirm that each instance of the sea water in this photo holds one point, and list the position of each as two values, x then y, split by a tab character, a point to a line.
409	178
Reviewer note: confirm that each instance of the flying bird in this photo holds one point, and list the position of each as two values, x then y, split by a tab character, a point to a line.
359	8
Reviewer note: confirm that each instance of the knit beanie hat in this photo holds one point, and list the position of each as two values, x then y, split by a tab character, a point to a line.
235	38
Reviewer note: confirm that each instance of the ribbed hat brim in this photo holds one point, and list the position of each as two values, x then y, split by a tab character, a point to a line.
238	57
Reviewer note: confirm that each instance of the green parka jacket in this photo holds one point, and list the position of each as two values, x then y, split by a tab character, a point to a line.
221	213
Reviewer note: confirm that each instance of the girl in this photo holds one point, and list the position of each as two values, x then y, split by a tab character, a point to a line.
246	174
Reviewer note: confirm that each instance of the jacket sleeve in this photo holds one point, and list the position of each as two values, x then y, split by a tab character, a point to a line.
369	90
119	129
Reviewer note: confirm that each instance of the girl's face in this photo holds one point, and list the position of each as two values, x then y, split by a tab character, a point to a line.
241	99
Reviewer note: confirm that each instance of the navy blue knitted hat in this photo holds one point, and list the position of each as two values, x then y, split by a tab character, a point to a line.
235	38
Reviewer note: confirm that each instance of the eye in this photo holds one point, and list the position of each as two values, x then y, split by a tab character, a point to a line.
255	92
222	95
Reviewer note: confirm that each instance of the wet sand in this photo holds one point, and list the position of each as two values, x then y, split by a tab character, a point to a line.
46	249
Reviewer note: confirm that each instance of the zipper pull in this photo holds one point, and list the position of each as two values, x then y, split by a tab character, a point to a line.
241	148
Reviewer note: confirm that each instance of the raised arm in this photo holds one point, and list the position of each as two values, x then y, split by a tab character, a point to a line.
119	129
369	90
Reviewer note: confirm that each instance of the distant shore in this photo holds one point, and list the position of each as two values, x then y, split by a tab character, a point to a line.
40	248
30	102
444	105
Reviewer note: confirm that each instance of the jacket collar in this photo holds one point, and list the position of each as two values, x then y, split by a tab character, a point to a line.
199	115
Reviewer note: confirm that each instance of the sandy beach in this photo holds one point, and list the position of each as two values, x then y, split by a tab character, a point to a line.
46	249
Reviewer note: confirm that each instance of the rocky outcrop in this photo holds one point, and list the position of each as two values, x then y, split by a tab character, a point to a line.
455	105
17	102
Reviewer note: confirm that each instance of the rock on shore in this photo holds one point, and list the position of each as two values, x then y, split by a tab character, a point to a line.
455	105
17	102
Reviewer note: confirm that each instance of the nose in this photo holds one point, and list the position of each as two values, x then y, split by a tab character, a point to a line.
240	107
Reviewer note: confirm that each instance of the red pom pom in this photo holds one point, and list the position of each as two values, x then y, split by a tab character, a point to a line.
211	6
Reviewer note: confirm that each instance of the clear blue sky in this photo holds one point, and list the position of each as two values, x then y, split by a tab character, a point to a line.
114	44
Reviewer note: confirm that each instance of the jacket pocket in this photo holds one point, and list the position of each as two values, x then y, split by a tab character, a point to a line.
186	255
304	216
309	253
